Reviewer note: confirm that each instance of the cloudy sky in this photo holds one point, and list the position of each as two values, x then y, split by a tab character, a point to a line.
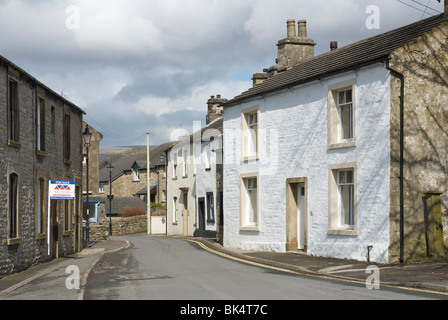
138	66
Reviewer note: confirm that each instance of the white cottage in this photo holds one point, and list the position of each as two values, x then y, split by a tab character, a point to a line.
310	152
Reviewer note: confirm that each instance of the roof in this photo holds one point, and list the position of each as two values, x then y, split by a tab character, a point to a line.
40	84
358	54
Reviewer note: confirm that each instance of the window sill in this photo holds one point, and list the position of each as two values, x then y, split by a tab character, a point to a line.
250	228
250	158
343	232
13	241
14	144
340	145
41	236
41	153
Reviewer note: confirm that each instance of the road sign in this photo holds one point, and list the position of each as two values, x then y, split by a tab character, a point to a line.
62	190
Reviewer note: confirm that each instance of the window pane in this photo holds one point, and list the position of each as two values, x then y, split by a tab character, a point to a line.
346	121
253	207
13	188
346	204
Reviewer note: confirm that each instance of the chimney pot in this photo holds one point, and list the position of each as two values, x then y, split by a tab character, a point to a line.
291	28
302	28
333	45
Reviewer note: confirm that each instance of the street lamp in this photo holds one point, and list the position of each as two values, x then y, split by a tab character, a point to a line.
110	197
87	136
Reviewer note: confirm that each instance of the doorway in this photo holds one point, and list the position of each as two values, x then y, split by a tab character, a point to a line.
201	214
296	214
185	212
54	228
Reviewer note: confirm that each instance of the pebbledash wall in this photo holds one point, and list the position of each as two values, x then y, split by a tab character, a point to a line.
293	126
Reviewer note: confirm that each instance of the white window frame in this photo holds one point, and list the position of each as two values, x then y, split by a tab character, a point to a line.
335	140
248	223
335	225
250	134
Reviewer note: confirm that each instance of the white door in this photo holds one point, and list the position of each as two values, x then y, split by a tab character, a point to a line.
301	198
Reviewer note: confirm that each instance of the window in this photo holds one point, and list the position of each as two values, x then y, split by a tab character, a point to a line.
185	163
341	115
66	137
345	113
67	215
101	188
175	210
136	173
13	206
210	207
53	119
13	112
40	226
249	203
40	124
250	135
343	199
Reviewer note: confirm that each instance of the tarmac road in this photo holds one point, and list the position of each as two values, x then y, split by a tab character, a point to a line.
158	268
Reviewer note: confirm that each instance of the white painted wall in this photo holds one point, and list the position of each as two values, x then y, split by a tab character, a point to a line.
174	189
206	173
295	145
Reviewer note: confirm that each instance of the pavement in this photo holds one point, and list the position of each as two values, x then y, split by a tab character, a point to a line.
425	276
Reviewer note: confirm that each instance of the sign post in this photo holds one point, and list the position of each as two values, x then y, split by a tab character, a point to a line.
58	190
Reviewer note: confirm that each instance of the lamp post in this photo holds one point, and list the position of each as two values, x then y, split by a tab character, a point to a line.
110	197
87	136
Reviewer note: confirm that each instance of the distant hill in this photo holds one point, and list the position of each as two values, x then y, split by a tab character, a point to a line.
109	154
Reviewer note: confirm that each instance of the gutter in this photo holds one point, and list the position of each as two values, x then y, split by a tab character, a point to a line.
401	76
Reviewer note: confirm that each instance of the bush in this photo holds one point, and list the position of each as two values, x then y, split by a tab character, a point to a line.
132	211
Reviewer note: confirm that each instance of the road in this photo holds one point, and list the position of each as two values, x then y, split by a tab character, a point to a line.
169	269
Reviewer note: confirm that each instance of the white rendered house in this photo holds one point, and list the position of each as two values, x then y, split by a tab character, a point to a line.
310	151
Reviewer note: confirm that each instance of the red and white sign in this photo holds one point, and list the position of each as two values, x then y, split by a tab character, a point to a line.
62	190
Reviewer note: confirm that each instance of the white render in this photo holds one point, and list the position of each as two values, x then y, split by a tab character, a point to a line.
294	143
206	158
177	186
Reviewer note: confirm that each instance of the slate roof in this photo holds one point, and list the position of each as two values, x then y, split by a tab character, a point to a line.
358	54
7	62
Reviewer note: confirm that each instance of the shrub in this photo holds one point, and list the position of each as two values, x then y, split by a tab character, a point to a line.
132	211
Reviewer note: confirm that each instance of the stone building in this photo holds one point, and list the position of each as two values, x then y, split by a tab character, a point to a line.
317	157
40	141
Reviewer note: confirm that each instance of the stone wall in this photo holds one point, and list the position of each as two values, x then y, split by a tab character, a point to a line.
424	64
22	158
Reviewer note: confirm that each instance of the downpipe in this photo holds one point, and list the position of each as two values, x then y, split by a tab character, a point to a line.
401	76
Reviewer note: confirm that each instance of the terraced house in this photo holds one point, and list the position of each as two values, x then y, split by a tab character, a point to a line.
343	154
40	141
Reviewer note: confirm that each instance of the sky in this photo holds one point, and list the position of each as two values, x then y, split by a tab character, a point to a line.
149	66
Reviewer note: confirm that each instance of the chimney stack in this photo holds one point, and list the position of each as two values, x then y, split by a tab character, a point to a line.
215	108
296	47
333	45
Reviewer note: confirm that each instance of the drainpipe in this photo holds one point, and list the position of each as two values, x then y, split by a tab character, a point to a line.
401	76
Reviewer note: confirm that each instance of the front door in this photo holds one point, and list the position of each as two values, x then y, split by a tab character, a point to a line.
185	213
201	213
301	198
296	217
54	228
